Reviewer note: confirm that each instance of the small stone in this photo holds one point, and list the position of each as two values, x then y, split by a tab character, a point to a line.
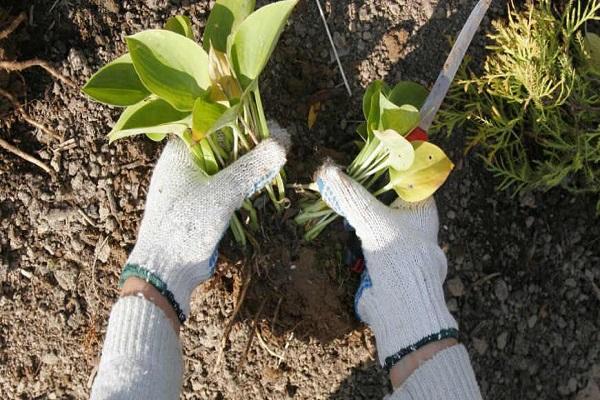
529	221
76	59
480	346
66	278
102	250
572	385
570	282
452	305
501	290
363	15
451	214
501	340
50	359
532	321
456	287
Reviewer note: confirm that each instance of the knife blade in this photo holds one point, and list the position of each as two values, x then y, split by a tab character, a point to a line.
440	88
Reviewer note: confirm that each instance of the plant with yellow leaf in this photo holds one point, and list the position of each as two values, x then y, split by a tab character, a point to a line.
534	110
207	95
394	155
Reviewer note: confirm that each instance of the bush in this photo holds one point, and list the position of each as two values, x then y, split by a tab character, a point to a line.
534	111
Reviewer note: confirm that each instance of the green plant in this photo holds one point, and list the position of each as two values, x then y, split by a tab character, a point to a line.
207	95
393	154
534	111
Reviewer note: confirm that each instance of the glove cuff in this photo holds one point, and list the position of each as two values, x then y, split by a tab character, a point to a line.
403	307
175	282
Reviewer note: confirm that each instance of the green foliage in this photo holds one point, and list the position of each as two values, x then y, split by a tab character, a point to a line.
180	24
255	40
389	159
206	94
224	18
534	110
117	84
171	66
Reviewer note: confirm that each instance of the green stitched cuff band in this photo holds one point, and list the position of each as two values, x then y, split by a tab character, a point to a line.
136	271
434	337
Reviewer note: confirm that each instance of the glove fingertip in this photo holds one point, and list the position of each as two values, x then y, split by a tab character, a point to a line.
280	135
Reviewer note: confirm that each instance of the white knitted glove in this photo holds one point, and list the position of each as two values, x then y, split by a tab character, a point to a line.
187	212
401	295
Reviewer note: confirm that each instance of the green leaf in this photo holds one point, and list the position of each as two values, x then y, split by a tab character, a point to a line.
401	153
177	128
150	112
226	119
116	84
402	120
374	89
407	92
180	24
361	129
203	154
256	38
150	117
156	137
427	173
210	162
204	116
171	66
224	18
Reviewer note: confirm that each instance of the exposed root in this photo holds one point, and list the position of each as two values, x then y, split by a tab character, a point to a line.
9	147
252	334
26	117
36	62
229	326
12	26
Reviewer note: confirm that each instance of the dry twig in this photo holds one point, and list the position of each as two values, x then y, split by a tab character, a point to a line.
9	147
36	62
12	26
23	114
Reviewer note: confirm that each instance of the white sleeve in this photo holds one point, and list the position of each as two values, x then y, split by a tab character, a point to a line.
448	375
141	357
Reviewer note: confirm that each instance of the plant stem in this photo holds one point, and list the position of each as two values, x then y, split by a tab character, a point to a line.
384	189
217	150
238	230
264	128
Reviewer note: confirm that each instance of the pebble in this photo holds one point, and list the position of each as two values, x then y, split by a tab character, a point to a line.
480	346
529	221
572	385
501	340
451	214
501	290
532	321
456	287
363	15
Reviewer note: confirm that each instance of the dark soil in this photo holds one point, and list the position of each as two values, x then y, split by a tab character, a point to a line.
523	271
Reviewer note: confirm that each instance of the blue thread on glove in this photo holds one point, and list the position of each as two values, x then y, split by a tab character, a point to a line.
262	181
329	197
365	283
212	261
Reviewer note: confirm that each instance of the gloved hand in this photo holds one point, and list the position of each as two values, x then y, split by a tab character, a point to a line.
400	295
187	212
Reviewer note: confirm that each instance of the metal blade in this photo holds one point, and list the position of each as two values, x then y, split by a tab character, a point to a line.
442	84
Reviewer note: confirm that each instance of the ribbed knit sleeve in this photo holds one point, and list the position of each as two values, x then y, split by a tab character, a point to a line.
141	357
448	375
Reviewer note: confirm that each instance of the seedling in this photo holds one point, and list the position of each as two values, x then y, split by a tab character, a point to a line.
394	154
207	94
